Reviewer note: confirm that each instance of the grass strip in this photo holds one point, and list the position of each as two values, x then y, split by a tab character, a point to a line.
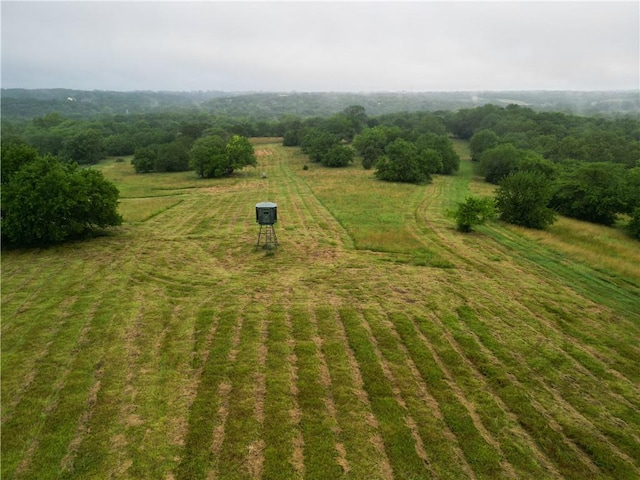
515	448
482	457
197	457
242	427
279	431
398	441
551	442
319	439
351	412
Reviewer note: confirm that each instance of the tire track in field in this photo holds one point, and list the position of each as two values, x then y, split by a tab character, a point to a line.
411	302
58	302
332	229
386	401
539	455
224	395
243	447
317	426
38	401
207	413
256	454
504	368
551	286
16	298
29	371
24	466
81	393
128	415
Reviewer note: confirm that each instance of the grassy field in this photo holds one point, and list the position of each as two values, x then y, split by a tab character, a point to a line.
376	343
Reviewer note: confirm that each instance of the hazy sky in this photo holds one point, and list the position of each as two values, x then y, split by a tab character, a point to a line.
321	46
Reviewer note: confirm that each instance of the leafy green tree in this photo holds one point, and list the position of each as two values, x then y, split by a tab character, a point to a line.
370	145
52	119
498	162
522	199
48	201
595	192
84	147
430	160
291	138
173	157
442	144
472	212
482	140
633	227
533	162
118	145
240	153
317	142
338	156
212	157
207	157
14	156
357	117
144	159
290	128
401	163
632	177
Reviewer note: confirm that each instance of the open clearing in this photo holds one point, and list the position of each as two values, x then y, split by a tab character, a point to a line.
377	342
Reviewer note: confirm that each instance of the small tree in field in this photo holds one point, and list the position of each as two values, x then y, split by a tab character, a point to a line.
472	212
211	157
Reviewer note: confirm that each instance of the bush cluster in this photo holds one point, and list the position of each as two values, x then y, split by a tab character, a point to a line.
47	201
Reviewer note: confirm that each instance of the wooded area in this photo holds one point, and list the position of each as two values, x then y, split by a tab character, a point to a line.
585	167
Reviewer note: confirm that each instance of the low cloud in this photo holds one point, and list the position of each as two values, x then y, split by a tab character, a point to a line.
321	46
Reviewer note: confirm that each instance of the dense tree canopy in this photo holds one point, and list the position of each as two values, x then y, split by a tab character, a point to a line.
591	191
47	201
482	140
523	198
370	145
329	128
401	163
213	157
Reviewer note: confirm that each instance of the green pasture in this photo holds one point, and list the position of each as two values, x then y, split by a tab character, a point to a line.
376	342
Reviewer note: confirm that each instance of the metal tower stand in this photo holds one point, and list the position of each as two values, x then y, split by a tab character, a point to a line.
268	234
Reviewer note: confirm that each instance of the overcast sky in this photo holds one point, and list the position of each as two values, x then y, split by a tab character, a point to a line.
321	46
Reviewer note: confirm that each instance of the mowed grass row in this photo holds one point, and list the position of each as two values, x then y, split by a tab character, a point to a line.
377	342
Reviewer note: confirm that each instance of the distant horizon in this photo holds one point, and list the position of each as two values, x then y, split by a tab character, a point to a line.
325	91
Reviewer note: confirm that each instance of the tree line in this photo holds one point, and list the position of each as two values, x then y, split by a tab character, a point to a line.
585	167
552	163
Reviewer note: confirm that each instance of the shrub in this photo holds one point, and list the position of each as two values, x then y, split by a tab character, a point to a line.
473	211
48	201
338	156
